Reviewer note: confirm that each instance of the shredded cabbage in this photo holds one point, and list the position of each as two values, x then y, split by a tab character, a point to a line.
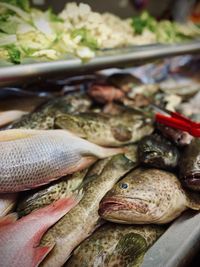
77	31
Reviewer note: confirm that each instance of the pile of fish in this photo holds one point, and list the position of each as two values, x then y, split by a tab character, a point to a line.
90	178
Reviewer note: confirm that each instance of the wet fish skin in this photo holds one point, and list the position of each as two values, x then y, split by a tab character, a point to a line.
115	245
146	196
31	158
189	165
50	193
177	136
7	203
156	151
19	239
43	118
84	218
113	130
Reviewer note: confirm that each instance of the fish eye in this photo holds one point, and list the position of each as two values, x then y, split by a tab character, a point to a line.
124	185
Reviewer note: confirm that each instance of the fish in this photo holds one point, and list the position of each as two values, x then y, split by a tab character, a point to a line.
156	151
43	117
115	245
180	138
9	116
105	93
189	165
31	158
50	193
78	224
7	203
19	239
106	130
146	196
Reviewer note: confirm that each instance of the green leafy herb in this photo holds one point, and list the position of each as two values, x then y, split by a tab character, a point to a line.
143	21
14	54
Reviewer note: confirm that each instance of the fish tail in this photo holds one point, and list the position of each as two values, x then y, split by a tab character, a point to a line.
108	152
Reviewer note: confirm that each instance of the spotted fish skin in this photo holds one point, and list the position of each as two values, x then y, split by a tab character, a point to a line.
43	118
31	158
40	198
115	245
146	196
69	232
106	130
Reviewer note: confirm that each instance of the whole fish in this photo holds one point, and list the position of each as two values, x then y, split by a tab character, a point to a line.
31	158
78	224
115	245
50	193
115	130
7	203
179	137
156	151
189	165
147	196
19	239
43	117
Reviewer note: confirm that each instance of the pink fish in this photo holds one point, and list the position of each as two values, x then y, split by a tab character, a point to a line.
19	239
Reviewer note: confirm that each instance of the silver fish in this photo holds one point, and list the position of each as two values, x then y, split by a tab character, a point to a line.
30	158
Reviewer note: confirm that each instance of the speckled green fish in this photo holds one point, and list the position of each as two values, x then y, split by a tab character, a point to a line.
114	245
43	118
189	165
106	130
147	196
156	151
75	227
40	198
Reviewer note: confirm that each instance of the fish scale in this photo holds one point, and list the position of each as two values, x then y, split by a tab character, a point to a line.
42	156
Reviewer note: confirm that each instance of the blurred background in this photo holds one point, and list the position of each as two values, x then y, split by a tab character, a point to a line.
178	10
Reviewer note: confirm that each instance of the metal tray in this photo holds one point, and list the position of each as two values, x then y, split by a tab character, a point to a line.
178	245
105	59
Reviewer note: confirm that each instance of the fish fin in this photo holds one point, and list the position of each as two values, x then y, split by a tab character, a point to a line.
193	201
15	134
129	250
10	218
121	133
85	162
41	253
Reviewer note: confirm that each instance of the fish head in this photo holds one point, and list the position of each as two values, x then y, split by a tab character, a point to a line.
156	151
132	200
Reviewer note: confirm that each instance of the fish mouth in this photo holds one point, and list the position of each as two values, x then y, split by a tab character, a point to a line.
110	205
192	181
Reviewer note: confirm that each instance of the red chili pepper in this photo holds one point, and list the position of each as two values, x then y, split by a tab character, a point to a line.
178	121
